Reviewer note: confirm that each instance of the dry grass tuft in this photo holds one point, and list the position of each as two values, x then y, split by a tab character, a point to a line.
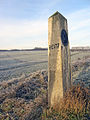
74	106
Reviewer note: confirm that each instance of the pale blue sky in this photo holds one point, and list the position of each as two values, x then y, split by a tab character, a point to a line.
24	23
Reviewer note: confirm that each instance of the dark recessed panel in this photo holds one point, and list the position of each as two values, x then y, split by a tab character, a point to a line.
64	37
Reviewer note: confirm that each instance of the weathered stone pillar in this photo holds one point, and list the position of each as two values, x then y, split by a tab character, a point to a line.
59	68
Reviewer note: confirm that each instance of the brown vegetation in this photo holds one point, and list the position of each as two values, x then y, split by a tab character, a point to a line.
74	106
23	99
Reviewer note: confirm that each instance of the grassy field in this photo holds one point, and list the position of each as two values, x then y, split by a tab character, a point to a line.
81	67
21	63
23	94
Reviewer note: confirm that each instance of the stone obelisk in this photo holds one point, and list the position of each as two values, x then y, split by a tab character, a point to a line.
59	65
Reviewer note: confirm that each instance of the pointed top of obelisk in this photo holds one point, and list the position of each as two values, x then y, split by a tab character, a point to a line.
56	14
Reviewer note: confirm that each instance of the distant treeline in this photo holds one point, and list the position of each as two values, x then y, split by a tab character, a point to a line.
80	49
35	49
39	49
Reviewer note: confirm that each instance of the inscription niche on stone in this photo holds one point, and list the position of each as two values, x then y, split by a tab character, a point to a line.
53	46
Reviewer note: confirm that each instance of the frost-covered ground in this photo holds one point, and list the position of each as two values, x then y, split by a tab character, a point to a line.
21	63
23	94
